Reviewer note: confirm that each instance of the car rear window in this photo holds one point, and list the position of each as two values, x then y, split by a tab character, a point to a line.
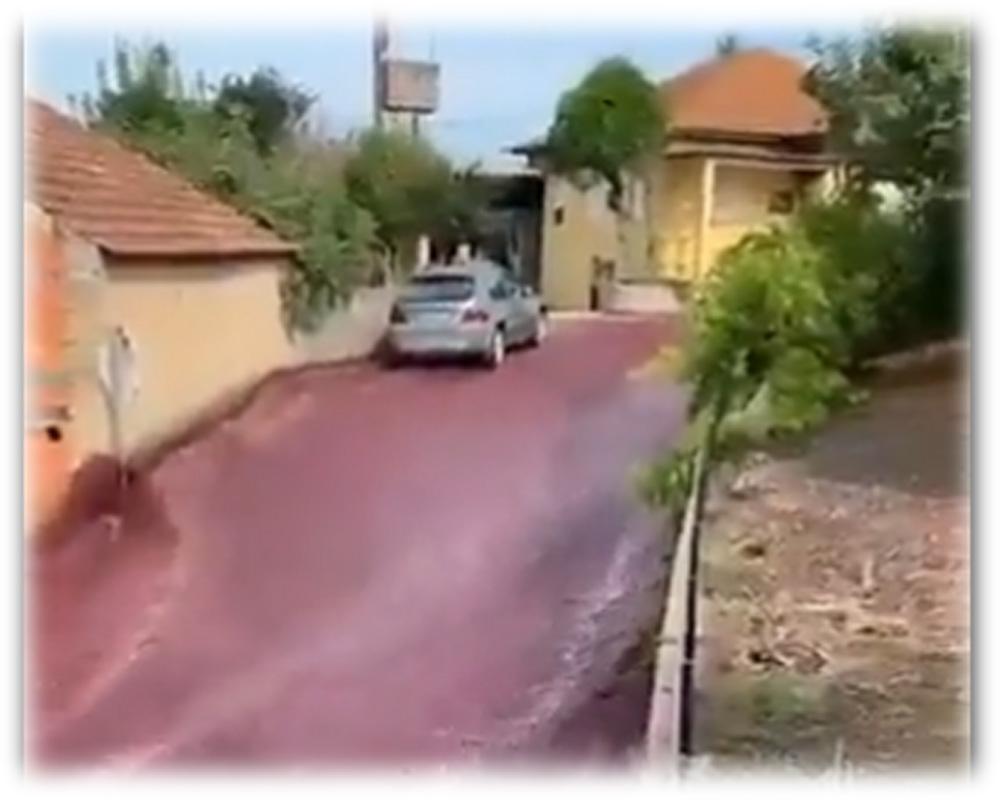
439	288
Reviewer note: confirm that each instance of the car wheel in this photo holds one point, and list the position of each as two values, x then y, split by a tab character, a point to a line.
496	350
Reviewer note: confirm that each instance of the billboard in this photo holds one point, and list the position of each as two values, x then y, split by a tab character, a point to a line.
410	86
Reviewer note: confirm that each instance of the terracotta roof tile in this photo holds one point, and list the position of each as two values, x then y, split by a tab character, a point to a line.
751	92
125	203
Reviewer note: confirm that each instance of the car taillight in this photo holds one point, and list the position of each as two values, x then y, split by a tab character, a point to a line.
476	315
396	315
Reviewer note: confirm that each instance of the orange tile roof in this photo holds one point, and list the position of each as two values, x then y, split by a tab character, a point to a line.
126	204
751	92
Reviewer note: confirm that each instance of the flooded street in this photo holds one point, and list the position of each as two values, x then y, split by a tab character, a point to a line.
429	565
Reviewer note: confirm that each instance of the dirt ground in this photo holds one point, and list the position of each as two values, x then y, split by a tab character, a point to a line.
835	608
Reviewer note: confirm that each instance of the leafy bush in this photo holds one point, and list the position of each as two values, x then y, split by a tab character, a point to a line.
866	269
766	357
894	278
764	300
304	200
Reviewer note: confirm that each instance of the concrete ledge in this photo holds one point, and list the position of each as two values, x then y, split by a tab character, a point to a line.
663	730
926	355
642	297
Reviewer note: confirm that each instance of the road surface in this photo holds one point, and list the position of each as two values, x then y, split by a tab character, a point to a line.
431	564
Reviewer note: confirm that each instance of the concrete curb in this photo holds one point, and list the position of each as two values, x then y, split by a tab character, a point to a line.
663	732
921	356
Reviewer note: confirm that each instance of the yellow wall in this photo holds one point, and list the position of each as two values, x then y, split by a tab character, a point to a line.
199	332
677	209
689	237
589	229
672	233
740	205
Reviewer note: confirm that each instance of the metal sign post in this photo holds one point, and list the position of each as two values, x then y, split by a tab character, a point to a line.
119	382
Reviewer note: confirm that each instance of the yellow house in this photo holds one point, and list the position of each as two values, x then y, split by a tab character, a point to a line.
745	147
172	292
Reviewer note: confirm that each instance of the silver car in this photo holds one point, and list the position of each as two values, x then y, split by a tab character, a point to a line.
475	309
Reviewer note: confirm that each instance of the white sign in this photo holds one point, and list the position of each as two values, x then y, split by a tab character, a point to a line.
118	369
411	86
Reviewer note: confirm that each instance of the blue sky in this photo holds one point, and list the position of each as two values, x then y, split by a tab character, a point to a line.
498	87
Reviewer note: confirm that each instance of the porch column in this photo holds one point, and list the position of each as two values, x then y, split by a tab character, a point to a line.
707	203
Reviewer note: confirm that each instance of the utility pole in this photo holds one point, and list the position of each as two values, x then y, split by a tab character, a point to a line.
380	47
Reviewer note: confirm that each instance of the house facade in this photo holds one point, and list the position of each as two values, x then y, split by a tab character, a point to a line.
148	301
745	148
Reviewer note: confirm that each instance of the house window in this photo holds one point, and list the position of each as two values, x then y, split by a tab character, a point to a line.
781	202
559	215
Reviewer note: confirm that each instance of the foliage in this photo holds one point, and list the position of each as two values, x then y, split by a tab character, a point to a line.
727	45
607	124
303	198
899	103
766	357
866	270
272	106
900	107
788	313
236	142
667	481
409	188
781	321
145	95
763	301
939	259
336	254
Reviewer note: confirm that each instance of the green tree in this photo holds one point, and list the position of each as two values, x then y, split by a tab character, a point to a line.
727	44
607	124
409	188
145	93
272	106
900	111
899	104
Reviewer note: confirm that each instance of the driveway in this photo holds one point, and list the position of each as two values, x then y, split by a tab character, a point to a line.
421	565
